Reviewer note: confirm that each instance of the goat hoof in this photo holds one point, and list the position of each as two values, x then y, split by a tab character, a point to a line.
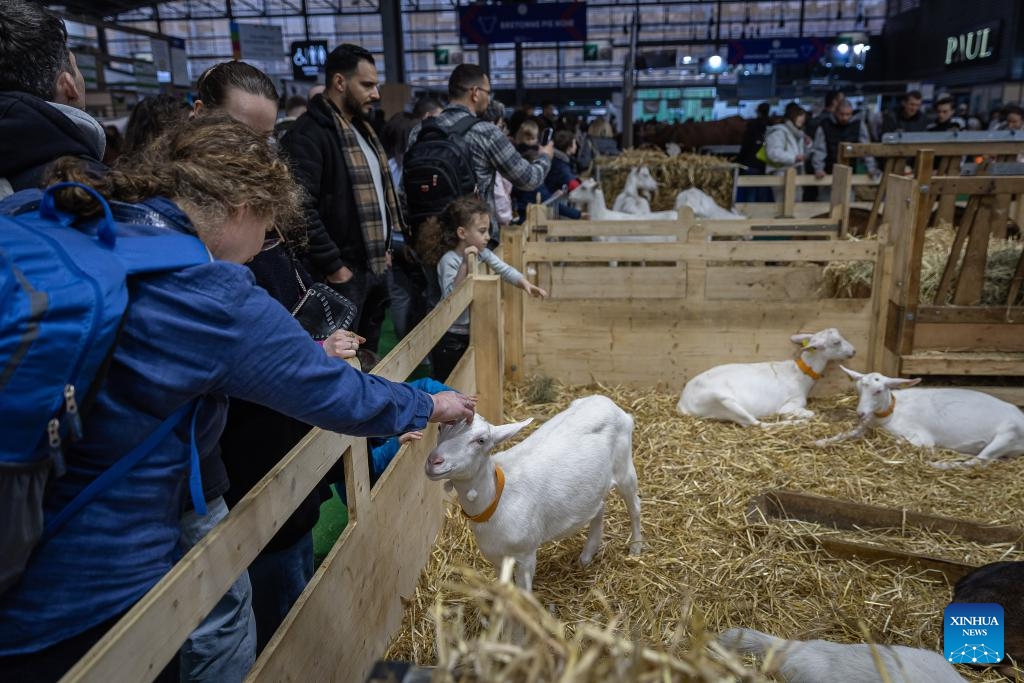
586	559
635	548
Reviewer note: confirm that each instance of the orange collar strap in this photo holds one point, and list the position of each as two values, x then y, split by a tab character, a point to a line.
888	411
807	369
499	486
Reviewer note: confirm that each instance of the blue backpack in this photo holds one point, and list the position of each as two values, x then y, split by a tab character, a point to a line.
63	295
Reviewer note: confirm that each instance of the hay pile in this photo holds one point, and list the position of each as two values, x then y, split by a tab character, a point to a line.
703	564
674	174
852	279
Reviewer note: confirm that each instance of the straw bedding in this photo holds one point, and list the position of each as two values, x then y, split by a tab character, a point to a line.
703	565
674	174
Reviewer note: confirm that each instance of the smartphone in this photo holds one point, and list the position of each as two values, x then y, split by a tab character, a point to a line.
546	136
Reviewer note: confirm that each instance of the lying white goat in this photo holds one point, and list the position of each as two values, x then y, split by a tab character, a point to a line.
704	206
590	194
815	661
744	392
544	488
962	420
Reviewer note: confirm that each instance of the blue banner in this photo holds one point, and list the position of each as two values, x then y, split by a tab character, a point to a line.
776	51
547	22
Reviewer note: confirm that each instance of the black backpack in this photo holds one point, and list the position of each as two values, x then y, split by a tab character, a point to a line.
438	169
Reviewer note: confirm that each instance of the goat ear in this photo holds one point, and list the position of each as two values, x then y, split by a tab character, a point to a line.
501	432
900	383
852	374
801	338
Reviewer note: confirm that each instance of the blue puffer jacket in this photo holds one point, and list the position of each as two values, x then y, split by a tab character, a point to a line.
206	331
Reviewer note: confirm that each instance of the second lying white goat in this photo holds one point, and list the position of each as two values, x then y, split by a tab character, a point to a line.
962	420
816	661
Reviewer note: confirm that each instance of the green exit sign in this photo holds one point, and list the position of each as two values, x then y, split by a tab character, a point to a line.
590	52
442	57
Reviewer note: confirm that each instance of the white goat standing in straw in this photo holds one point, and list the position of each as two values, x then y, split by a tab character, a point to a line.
970	422
817	661
744	392
546	487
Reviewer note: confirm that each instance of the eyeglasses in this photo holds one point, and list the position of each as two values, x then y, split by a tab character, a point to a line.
477	87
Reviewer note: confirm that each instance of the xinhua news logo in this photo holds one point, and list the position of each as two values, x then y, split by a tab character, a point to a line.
972	633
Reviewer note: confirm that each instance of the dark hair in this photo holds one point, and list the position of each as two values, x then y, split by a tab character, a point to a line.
945	100
295	101
151	118
463	78
831	97
33	49
563	140
345	59
439	234
214	84
424	105
1013	109
494	113
763	110
912	95
395	136
793	111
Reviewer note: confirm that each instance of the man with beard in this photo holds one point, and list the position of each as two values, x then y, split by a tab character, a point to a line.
352	206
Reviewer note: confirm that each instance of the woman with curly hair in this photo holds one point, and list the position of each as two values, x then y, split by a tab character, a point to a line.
191	337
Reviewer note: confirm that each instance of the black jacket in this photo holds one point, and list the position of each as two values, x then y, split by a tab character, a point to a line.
313	146
33	134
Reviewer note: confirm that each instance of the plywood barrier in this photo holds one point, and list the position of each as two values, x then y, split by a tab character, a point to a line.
343	619
657	313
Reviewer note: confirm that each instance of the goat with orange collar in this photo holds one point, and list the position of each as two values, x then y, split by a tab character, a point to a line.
746	392
544	488
962	420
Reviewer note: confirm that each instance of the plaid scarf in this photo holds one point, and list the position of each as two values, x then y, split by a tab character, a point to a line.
367	206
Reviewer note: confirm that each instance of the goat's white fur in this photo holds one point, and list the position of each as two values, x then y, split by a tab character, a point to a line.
817	661
966	421
636	192
590	194
704	206
556	480
744	392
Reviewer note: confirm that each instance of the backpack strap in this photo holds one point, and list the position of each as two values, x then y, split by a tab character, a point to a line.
462	126
119	469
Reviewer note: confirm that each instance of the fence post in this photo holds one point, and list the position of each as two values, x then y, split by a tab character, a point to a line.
513	308
487	340
839	207
789	193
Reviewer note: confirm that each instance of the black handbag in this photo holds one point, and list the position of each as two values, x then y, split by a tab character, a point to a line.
321	311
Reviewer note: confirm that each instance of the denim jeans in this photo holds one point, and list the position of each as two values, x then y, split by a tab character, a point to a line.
278	578
222	649
370	293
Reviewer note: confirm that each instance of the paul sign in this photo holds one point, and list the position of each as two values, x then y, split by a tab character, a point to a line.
973	46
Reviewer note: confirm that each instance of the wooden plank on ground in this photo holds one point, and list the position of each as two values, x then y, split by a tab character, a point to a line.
952	570
847	514
982	364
